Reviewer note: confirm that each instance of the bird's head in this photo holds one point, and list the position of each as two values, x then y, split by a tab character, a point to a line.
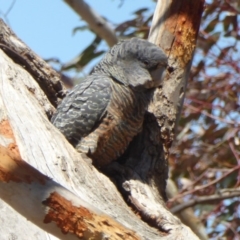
136	63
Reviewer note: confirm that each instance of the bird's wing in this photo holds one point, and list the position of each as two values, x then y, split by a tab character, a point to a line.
82	109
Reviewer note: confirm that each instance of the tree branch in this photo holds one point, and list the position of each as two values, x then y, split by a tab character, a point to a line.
47	78
199	188
97	23
50	206
221	195
187	216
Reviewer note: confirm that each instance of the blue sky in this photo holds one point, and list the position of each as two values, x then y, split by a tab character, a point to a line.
46	26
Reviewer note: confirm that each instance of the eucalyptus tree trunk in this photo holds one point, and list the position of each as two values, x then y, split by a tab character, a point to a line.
44	180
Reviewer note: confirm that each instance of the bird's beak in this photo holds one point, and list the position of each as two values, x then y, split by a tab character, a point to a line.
158	75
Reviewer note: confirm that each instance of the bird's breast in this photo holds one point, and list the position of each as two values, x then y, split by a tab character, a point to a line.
123	120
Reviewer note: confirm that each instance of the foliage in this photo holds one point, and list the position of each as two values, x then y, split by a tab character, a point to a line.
207	150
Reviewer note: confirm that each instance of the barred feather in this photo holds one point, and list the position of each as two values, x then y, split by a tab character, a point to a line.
123	121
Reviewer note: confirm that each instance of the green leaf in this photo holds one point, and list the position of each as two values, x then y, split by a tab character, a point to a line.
140	11
80	28
87	55
229	20
211	26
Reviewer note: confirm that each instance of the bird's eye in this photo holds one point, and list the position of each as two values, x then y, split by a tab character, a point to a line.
153	68
145	62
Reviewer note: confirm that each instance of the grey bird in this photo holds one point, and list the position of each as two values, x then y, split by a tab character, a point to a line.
101	115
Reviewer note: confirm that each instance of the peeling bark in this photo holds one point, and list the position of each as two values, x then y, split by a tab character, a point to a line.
51	206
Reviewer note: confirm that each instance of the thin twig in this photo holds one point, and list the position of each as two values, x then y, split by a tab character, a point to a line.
97	23
206	185
206	199
10	8
211	116
237	158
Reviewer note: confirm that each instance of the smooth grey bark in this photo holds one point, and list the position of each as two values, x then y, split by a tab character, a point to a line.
96	23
